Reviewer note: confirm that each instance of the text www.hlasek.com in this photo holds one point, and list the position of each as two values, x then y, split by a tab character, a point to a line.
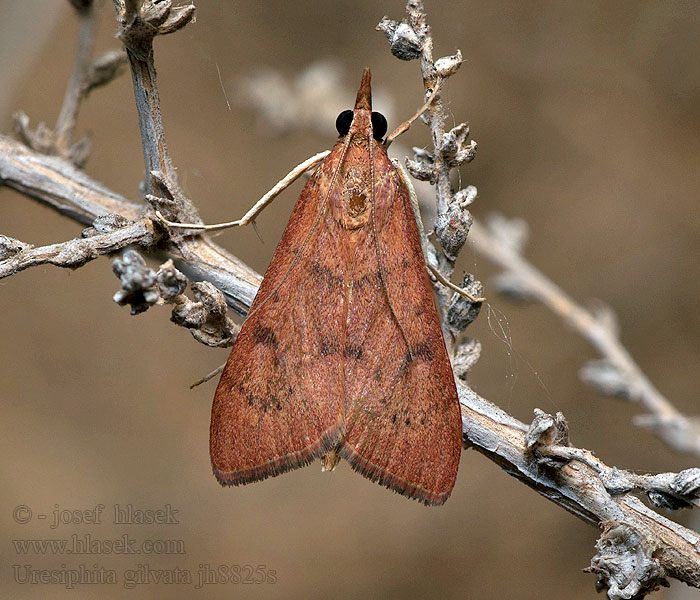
87	544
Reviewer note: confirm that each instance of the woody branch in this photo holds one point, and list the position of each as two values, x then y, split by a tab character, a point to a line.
638	548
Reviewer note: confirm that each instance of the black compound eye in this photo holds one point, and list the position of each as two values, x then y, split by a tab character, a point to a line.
343	122
378	125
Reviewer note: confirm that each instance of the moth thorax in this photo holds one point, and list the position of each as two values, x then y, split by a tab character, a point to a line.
353	211
357	203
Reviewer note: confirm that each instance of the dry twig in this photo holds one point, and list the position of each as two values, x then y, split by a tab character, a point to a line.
87	75
502	242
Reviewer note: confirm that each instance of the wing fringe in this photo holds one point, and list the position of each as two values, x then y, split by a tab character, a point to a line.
276	466
391	481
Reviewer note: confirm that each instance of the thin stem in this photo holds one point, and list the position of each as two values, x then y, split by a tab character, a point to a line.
67	118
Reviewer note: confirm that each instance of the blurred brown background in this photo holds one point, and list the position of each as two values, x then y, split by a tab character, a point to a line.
587	117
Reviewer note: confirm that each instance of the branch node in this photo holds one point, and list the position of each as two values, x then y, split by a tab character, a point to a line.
624	565
105	224
10	247
206	316
140	22
547	430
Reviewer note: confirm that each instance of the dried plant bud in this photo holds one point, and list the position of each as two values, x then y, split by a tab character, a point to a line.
453	140
452	227
606	378
465	357
171	282
448	65
43	140
454	146
40	139
404	42
513	285
421	166
155	12
687	483
206	316
663	500
421	170
150	18
512	233
137	280
681	433
461	311
547	430
615	481
464	155
79	152
106	224
465	196
605	316
624	564
177	19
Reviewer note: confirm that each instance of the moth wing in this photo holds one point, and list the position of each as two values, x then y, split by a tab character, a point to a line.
403	423
278	403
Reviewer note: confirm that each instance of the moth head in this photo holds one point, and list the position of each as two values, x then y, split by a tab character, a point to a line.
362	120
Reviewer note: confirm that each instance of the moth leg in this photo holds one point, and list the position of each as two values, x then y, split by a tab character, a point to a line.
403	128
249	217
207	377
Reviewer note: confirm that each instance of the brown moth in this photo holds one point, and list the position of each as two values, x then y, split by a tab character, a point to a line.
342	354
